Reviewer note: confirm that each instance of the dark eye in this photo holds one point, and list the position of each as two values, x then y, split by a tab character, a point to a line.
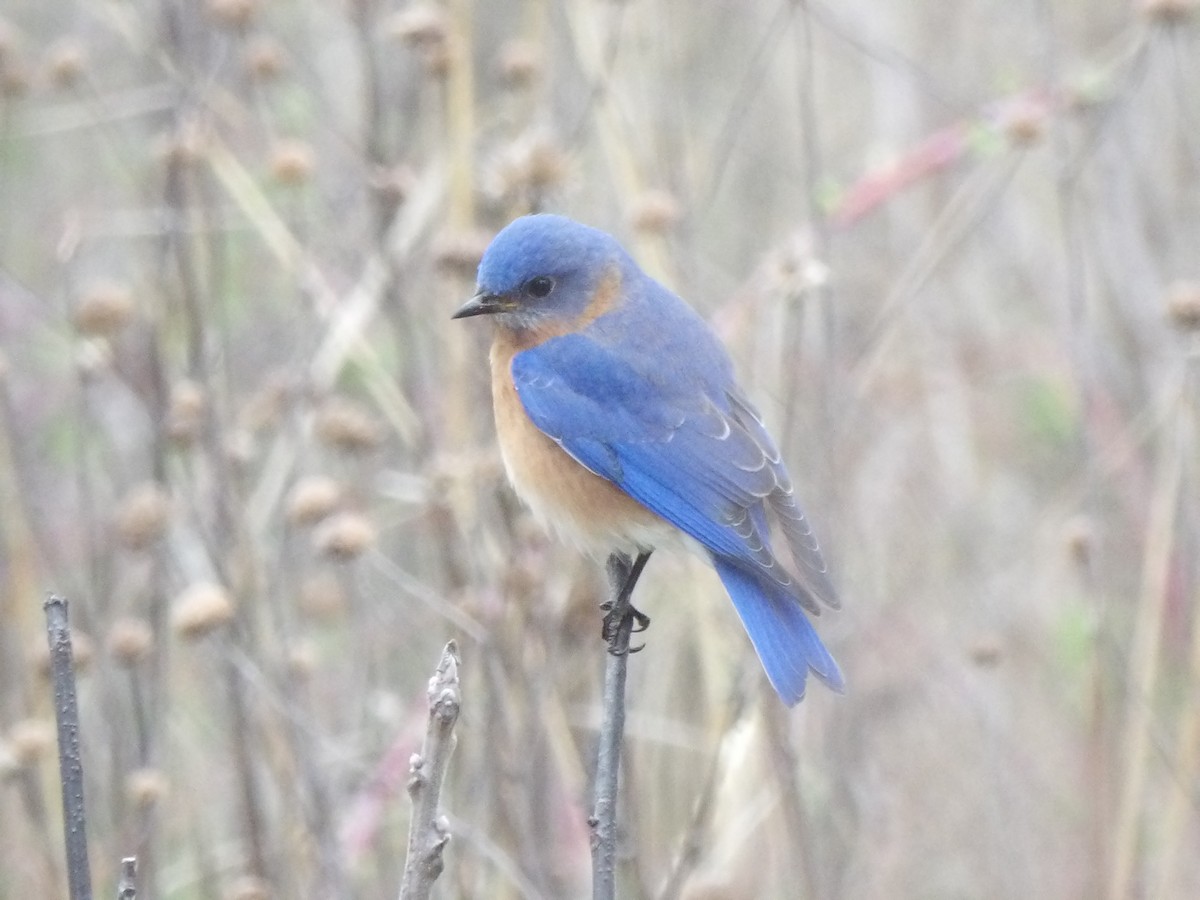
539	287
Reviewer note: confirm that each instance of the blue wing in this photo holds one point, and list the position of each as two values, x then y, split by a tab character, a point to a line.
687	445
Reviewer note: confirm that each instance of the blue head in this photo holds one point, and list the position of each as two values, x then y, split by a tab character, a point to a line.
543	270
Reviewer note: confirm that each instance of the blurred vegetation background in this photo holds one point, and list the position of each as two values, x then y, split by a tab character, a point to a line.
955	249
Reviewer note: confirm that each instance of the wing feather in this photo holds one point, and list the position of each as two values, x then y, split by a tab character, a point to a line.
704	463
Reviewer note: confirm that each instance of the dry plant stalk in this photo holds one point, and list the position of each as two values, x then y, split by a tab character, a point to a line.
70	764
1145	662
429	833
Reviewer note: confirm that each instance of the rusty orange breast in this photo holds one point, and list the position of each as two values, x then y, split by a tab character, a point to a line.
566	497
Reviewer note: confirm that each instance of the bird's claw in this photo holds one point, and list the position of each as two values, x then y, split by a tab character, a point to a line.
613	651
614	619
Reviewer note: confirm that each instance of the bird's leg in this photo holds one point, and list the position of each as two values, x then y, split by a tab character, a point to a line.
623	574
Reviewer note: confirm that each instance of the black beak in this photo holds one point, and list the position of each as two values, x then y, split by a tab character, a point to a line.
482	304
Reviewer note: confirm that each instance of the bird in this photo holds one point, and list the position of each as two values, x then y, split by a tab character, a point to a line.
622	426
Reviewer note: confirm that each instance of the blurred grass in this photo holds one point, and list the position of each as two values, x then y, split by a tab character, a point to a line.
952	249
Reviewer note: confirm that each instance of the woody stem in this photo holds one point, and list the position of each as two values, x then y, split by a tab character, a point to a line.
623	574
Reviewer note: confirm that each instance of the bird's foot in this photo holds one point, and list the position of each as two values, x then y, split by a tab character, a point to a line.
622	618
615	616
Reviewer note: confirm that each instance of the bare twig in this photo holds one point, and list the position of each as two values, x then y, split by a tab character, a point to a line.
70	765
619	620
127	886
241	733
429	833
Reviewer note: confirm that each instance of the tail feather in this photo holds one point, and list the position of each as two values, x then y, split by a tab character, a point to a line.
786	642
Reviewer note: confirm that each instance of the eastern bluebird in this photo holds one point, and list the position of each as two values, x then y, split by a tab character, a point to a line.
621	424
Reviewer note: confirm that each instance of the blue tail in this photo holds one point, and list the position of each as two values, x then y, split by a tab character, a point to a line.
785	640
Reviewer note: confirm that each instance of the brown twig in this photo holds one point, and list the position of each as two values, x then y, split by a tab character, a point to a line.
428	832
70	764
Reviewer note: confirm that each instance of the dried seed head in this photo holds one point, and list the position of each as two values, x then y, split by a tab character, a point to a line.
322	597
312	499
66	62
143	515
1169	12
185	418
29	740
419	25
302	659
130	641
104	309
188	399
1079	535
655	212
240	447
201	609
345	536
248	887
235	14
347	426
986	652
292	162
8	762
14	78
1024	122
437	59
519	63
184	145
93	357
267	406
145	787
529	167
543	161
264	58
1183	305
392	184
459	252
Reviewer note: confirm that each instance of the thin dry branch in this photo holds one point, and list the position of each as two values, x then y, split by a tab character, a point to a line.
70	763
127	886
619	623
1146	662
429	832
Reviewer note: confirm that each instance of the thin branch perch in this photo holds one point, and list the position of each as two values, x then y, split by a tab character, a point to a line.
70	763
619	621
429	833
